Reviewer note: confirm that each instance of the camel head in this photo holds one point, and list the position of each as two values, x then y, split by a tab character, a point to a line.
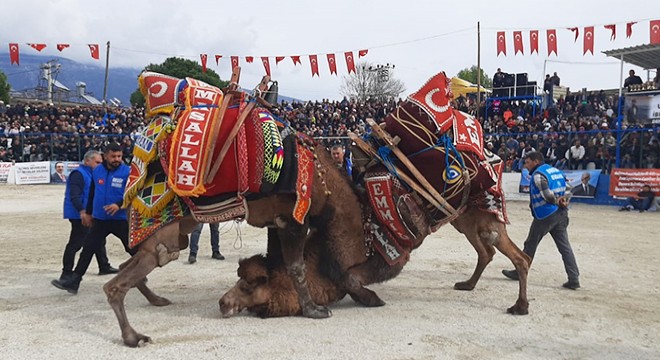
251	290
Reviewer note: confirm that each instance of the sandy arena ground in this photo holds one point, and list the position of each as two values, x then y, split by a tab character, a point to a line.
614	316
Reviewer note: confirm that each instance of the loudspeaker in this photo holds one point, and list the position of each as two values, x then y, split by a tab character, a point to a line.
509	80
521	79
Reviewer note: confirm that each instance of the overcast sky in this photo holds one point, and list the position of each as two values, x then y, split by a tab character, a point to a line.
420	38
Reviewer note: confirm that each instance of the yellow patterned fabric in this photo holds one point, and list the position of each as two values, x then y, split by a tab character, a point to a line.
154	195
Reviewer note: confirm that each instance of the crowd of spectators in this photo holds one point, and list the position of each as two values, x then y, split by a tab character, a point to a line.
572	133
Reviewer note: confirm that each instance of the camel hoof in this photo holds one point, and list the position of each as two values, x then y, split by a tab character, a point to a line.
317	312
463	285
367	298
160	301
518	309
136	340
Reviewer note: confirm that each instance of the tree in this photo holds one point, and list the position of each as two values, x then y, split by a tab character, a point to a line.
471	76
4	88
370	81
180	68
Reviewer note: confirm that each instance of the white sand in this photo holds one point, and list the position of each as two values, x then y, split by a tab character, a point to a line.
614	316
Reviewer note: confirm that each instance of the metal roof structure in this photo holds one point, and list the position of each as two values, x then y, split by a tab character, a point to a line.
644	56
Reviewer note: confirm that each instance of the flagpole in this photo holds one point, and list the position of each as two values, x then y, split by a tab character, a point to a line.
478	69
107	63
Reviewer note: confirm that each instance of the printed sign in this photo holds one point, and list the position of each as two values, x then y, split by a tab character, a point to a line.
60	170
628	182
32	173
582	182
5	169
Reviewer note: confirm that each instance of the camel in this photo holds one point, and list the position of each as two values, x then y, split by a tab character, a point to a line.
334	222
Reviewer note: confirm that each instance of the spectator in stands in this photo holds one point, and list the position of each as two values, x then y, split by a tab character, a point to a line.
575	156
551	154
656	79
498	78
632	79
554	79
631	114
642	201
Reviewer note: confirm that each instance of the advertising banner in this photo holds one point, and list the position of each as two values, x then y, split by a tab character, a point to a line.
60	170
648	107
628	182
32	173
5	169
583	182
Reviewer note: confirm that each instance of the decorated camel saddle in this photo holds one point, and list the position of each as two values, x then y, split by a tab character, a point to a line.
422	167
205	150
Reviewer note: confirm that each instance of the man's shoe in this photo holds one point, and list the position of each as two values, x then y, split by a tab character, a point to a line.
109	270
71	284
216	255
511	274
192	258
573	285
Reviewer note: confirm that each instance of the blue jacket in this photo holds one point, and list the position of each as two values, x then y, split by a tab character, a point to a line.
75	200
541	209
109	189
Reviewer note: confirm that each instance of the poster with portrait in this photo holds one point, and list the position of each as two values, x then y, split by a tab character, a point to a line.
60	170
583	182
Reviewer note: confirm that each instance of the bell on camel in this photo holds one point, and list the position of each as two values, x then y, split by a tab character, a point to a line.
271	94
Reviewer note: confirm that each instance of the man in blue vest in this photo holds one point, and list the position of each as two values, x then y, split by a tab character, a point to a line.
75	204
104	204
548	202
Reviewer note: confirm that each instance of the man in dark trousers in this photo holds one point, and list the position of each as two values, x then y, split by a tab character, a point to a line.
75	204
548	202
106	197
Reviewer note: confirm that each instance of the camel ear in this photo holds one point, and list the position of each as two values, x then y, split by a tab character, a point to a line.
253	270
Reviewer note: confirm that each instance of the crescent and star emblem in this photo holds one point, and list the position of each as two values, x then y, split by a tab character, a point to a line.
589	35
429	101
551	37
161	91
517	36
655	28
349	58
534	36
500	38
13	48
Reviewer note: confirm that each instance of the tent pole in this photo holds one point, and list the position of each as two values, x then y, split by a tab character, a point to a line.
620	116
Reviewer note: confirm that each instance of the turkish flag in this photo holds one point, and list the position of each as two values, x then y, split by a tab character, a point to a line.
654	27
278	59
217	59
314	63
629	28
13	54
552	41
612	27
94	50
249	59
38	47
576	32
332	64
264	60
517	42
204	57
234	62
296	60
588	40
61	47
350	64
362	53
534	41
501	43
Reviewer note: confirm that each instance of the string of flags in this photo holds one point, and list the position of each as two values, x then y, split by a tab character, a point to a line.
349	58
587	38
15	51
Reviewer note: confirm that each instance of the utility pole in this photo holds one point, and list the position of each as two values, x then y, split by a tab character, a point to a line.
107	63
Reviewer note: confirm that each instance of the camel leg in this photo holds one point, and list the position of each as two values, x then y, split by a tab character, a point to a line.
293	237
481	240
521	261
368	272
148	294
152	253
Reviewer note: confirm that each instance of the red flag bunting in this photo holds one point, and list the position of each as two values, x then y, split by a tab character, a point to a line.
94	50
61	47
234	62
534	41
38	47
266	62
517	43
217	59
314	63
588	40
203	57
278	59
576	32
612	28
14	54
552	41
362	53
501	43
350	64
296	60
629	28
249	59
654	27
332	64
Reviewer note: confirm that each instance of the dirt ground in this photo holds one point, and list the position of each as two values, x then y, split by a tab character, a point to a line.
614	316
